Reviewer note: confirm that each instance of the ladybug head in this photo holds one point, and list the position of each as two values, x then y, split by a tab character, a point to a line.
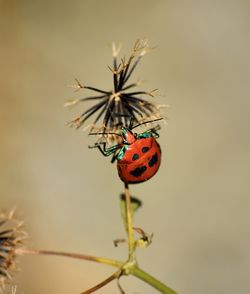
128	136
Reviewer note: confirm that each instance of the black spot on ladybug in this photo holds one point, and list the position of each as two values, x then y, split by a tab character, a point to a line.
153	160
135	156
145	149
137	172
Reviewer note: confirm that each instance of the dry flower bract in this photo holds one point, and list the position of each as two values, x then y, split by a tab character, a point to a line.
118	106
11	237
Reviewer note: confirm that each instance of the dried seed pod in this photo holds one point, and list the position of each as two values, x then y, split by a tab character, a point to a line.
117	107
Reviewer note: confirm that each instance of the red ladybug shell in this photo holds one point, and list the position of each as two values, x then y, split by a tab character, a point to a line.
140	162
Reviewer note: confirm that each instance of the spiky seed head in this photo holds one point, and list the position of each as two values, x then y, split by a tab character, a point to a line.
11	238
116	107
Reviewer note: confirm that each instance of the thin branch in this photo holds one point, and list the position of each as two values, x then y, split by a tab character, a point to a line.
103	283
102	260
119	285
132	269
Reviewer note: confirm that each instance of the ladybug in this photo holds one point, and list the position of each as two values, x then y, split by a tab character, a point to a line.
138	155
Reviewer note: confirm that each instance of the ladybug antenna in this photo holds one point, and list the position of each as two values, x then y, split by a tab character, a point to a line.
105	134
146	122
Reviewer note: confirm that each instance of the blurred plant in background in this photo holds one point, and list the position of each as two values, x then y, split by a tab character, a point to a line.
11	238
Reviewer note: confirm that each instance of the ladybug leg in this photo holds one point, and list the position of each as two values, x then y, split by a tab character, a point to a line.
154	133
105	151
114	157
149	133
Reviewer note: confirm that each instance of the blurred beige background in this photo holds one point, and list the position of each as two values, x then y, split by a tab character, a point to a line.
197	205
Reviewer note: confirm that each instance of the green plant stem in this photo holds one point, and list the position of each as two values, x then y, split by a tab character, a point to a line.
133	269
131	241
139	273
125	268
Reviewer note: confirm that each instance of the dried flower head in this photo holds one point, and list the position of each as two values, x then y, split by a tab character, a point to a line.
118	106
11	237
